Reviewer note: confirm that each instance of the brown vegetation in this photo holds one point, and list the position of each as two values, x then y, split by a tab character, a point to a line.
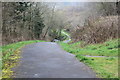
98	31
91	22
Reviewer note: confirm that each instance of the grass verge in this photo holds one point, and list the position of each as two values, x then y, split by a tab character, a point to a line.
105	67
10	56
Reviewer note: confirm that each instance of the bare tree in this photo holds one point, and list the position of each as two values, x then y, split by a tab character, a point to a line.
50	21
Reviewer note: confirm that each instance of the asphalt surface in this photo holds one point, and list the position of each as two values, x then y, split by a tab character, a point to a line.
48	60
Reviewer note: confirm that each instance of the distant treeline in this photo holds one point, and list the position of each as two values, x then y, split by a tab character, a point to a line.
93	22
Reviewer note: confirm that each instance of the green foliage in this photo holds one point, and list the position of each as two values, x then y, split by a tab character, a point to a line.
19	7
109	48
21	21
82	58
56	34
22	6
105	67
38	23
11	55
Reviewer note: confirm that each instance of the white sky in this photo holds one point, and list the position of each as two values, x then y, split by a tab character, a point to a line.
60	0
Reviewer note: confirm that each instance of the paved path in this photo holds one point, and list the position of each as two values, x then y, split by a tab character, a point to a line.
48	60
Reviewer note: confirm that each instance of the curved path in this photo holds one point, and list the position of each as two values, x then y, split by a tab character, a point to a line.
69	38
48	60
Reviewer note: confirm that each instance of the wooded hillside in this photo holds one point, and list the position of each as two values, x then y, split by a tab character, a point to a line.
91	22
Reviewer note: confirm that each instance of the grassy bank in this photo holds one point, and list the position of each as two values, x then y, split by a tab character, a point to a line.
10	55
105	67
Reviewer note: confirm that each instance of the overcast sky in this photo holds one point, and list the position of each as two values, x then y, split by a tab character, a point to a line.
67	4
60	0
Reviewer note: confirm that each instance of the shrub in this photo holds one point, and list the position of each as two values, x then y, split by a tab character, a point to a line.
98	31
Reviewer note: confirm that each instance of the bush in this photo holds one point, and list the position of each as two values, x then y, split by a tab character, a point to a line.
98	31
